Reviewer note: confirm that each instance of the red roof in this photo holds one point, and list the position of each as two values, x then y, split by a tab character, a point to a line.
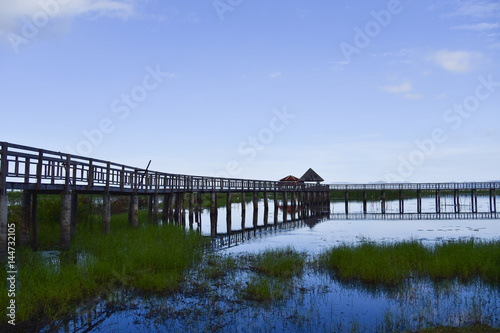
290	178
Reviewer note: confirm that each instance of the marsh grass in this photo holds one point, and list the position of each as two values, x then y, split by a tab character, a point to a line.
263	289
392	263
148	259
282	263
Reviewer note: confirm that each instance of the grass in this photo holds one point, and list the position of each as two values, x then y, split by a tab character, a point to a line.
472	329
149	259
281	263
392	263
263	289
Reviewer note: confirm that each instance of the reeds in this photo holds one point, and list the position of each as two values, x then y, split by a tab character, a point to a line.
149	259
392	263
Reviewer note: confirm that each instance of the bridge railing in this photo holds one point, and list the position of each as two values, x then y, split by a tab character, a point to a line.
416	186
39	169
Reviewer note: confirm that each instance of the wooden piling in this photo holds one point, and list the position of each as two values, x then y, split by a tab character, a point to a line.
150	207
365	210
166	207
171	208
191	209
255	201
228	213
456	201
156	208
106	213
382	201
347	202
65	221
401	202
24	236
493	200
74	212
213	214
285	206
438	202
419	201
133	210
473	198
34	222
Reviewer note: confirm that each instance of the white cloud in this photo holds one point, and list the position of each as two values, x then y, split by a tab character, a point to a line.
477	9
11	12
275	75
456	61
405	87
478	27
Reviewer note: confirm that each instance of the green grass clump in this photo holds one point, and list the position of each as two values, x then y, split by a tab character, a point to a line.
281	263
392	263
263	289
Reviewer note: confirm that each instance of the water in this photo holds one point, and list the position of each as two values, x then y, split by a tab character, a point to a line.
315	301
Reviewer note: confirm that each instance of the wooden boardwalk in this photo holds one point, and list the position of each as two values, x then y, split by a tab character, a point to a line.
37	171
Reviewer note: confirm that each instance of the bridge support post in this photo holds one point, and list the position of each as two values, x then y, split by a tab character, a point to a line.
365	208
346	202
177	213
34	222
183	208
294	205
401	202
65	220
255	210
133	210
382	201
171	208
74	212
473	198
438	201
266	208
493	201
456	201
213	214
228	215
166	205
26	215
191	210
150	207
285	206
276	207
106	213
156	208
419	201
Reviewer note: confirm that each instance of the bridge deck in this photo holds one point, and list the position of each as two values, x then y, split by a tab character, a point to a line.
27	168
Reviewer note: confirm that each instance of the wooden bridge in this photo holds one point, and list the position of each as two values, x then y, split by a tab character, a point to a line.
434	189
38	171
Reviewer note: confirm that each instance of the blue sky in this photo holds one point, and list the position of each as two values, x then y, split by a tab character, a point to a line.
361	92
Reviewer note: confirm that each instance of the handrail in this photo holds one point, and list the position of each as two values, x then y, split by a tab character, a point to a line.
33	166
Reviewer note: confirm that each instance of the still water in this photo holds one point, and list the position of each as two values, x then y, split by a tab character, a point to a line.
314	301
